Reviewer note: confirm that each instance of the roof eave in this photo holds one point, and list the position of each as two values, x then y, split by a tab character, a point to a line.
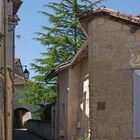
86	17
67	64
16	6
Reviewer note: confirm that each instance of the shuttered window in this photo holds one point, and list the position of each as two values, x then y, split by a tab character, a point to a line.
136	104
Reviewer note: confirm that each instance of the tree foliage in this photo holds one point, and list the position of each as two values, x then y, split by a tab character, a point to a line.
62	38
37	94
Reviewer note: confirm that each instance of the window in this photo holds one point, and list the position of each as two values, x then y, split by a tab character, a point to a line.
136	103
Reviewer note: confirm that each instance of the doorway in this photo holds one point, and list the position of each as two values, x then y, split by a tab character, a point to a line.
21	116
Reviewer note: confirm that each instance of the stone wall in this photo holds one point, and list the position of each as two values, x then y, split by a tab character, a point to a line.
40	128
113	52
73	101
78	105
84	99
1	77
62	105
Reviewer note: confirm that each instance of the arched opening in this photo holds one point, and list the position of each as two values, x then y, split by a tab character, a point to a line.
21	115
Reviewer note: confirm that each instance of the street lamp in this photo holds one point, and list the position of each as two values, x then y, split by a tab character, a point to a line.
26	73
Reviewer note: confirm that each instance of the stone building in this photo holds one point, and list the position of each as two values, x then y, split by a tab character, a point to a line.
21	111
8	21
72	109
99	88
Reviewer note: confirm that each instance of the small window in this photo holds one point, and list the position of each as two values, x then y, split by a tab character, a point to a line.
101	106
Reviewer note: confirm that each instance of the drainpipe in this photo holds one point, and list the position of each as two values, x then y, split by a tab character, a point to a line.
13	31
5	73
13	83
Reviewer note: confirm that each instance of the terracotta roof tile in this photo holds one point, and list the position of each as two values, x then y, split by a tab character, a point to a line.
16	5
86	16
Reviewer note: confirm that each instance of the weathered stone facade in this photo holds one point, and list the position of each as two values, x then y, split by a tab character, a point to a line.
114	52
103	76
1	78
19	107
73	102
72	108
8	20
111	79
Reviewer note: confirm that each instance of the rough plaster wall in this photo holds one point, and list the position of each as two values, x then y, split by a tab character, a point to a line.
113	50
9	104
74	93
84	98
9	55
63	110
73	101
10	47
1	15
1	78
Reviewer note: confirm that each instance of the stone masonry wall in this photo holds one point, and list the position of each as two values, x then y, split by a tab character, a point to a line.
1	77
73	101
84	99
40	128
113	51
62	119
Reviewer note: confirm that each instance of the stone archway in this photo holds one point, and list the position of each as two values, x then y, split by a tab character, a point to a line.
21	115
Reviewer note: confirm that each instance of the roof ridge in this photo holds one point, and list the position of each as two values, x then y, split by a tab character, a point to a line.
109	12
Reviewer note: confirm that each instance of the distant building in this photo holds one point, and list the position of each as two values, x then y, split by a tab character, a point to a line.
98	90
8	21
21	111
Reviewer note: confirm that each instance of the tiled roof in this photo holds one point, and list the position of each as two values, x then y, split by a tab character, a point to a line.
16	60
16	5
18	80
87	16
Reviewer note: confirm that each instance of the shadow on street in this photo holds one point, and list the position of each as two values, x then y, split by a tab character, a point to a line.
23	134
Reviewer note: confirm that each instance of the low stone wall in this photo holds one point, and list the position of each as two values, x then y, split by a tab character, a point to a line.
40	128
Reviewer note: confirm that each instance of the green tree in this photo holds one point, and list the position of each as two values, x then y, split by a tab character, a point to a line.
62	38
36	93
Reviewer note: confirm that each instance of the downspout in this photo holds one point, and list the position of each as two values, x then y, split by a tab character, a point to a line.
5	73
13	24
13	83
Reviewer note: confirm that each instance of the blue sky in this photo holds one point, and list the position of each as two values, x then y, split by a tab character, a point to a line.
31	21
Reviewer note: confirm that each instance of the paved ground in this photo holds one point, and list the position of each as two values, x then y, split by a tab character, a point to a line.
22	134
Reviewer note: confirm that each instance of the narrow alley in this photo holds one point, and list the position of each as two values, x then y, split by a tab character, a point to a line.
23	134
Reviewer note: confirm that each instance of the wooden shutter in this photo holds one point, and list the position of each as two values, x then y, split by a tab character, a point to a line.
136	104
